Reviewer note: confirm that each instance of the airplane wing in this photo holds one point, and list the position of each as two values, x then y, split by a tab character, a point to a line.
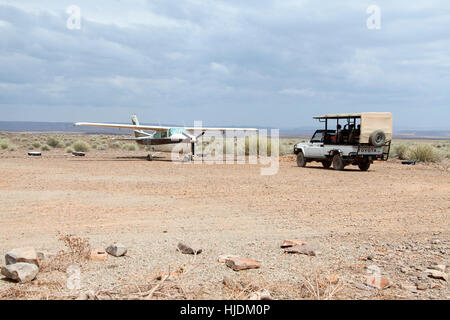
153	141
157	128
221	129
122	126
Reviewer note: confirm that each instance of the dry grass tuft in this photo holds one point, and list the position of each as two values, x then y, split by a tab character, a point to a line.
76	253
81	146
314	286
320	287
424	153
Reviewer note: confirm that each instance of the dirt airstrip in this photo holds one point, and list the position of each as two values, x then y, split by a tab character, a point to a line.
393	217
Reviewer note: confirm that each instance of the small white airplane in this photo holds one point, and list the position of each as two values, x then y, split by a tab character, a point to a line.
163	138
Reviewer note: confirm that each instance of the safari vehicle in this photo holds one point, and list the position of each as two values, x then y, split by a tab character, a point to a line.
348	139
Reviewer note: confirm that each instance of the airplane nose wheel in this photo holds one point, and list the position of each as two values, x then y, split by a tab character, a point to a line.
149	157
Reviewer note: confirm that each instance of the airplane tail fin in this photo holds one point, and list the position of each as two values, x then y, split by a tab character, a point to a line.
138	133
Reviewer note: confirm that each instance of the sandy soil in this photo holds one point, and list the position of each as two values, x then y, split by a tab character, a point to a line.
386	217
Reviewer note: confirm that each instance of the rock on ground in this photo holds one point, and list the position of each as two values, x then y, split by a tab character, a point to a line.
187	250
45	255
168	276
302	249
21	271
224	257
238	264
98	254
261	295
378	282
436	274
117	250
292	243
26	254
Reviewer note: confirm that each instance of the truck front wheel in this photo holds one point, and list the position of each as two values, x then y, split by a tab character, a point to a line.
326	164
301	161
338	163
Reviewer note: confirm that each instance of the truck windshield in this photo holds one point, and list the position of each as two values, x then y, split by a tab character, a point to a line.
317	137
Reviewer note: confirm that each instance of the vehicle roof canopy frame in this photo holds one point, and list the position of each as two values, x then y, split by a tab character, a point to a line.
370	122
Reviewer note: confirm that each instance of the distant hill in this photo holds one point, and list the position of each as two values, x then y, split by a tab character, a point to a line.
301	132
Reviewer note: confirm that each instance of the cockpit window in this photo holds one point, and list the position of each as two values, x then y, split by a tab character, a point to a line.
176	130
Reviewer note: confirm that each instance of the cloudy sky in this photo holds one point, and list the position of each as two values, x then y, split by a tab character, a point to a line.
231	62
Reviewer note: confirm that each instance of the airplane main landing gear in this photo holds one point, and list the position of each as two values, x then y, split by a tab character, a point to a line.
149	157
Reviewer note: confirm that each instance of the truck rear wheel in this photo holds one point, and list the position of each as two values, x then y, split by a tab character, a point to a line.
301	161
364	166
338	163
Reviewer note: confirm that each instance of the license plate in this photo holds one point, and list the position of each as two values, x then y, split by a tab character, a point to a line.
369	150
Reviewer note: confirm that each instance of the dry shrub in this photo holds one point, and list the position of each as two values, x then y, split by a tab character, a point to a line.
36	290
77	252
54	143
81	146
129	147
313	286
4	144
147	287
401	151
320	287
12	148
241	288
424	153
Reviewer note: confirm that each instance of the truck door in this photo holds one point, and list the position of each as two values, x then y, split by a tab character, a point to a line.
316	148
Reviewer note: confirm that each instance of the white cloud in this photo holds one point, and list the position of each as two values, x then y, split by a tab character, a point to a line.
182	58
307	92
219	68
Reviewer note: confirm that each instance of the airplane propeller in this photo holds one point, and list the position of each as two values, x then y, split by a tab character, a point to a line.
193	140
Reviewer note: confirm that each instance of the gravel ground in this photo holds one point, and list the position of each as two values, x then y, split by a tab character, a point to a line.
389	217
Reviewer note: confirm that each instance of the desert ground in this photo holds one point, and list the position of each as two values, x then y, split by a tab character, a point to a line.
393	218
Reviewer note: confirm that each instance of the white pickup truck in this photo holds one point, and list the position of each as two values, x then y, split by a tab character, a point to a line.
364	138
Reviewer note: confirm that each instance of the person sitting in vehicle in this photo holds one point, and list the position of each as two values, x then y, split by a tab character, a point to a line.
351	132
339	134
356	133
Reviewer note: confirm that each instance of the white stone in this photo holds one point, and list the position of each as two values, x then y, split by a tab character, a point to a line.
26	254
117	250
21	271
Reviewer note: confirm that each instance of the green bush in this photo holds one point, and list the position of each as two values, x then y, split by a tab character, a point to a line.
69	150
116	145
424	153
12	148
130	147
53	142
45	148
401	151
4	144
102	147
81	146
36	145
